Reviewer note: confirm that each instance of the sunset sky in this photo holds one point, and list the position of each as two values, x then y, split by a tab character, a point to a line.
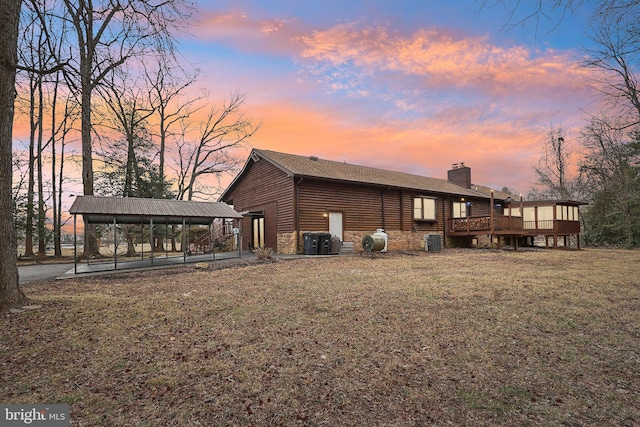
408	85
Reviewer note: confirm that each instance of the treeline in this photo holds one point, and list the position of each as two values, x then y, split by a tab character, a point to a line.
599	163
102	87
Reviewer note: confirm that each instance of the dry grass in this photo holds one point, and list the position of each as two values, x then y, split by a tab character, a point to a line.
462	337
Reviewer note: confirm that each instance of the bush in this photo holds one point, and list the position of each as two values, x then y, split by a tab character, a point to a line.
264	253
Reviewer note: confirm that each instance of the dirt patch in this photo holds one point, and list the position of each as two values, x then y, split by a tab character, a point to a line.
461	337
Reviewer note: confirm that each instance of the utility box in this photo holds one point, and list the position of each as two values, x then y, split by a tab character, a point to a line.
432	242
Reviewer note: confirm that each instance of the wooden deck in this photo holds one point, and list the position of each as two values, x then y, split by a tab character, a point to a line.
510	226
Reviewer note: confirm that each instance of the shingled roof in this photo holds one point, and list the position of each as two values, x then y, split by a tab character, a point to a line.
132	210
313	167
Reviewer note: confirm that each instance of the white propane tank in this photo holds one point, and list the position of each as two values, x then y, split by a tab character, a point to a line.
380	232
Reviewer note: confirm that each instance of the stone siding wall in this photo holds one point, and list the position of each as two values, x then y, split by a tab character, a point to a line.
397	240
287	243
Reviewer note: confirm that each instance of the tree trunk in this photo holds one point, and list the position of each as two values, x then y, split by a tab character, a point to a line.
10	293
28	240
173	238
90	239
42	243
54	187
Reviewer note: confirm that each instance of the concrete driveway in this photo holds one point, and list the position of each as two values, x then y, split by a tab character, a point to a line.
35	273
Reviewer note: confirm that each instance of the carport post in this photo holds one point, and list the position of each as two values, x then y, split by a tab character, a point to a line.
115	246
213	242
184	239
151	238
75	246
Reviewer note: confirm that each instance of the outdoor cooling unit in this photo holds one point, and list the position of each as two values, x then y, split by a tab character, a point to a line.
432	242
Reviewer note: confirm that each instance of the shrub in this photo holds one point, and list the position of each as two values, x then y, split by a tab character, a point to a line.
264	253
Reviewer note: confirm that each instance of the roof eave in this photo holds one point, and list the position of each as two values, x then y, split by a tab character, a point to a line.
252	158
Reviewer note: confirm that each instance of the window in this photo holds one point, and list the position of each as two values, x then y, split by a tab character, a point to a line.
424	208
545	217
460	210
529	218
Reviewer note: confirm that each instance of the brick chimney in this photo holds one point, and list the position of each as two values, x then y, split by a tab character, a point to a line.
460	175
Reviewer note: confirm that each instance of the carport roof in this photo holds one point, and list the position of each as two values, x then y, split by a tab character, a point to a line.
132	210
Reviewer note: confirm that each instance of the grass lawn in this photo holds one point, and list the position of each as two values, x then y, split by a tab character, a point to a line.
464	337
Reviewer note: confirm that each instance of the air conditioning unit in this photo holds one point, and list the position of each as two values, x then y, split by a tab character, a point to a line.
432	242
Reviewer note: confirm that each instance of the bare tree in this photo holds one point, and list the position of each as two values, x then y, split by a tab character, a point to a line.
10	293
166	94
210	153
167	84
612	166
557	172
129	107
31	42
59	133
109	33
611	138
20	173
37	54
616	59
540	13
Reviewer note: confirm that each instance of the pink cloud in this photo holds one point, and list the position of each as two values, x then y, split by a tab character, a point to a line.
499	153
445	60
238	29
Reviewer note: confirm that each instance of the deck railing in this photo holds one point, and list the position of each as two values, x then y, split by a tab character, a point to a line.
504	224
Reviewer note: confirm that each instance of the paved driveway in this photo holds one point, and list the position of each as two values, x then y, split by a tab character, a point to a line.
34	273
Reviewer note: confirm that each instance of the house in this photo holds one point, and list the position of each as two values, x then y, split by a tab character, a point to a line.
282	196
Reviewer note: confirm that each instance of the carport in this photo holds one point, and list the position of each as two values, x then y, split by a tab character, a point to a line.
137	211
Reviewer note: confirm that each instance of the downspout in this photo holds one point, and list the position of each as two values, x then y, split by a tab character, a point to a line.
402	211
384	226
491	212
296	202
447	204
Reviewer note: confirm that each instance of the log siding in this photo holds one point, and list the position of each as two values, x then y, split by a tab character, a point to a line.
296	194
